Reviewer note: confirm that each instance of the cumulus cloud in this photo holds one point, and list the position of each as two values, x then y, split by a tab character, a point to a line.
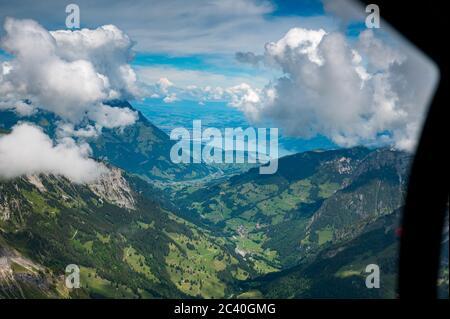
238	95
20	107
108	49
164	89
171	98
172	26
243	95
353	92
69	73
163	85
68	130
28	150
188	78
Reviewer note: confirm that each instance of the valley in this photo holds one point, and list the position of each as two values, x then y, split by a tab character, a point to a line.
154	229
126	244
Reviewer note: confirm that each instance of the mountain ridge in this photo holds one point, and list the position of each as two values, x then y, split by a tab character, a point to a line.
140	148
192	233
122	250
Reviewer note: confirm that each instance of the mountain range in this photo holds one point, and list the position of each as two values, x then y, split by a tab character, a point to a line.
150	228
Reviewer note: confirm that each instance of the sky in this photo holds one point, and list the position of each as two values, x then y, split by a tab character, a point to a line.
309	67
190	43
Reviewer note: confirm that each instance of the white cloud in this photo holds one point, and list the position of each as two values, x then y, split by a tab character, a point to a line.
354	93
239	96
163	88
109	117
234	91
28	150
243	95
172	97
186	79
109	50
69	73
69	130
163	85
173	26
20	107
296	42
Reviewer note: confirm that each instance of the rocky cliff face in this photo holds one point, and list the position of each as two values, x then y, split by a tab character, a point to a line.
22	200
12	203
114	188
20	277
141	149
126	244
375	188
16	196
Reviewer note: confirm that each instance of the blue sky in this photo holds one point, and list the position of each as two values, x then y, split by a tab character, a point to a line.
221	61
185	58
204	56
217	114
301	8
200	36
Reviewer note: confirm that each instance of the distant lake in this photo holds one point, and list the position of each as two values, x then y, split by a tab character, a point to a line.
219	115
